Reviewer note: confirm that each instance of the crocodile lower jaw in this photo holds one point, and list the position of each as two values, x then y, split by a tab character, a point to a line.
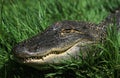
74	51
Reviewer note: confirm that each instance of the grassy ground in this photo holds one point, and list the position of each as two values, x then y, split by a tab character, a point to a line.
22	19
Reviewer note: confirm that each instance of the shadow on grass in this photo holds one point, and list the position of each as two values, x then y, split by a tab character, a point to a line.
12	69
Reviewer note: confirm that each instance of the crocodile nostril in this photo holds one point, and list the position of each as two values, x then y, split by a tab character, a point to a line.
18	49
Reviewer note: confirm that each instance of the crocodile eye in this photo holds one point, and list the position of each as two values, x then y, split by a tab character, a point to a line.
69	31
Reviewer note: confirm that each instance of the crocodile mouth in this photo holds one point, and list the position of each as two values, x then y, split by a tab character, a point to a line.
38	58
55	57
59	43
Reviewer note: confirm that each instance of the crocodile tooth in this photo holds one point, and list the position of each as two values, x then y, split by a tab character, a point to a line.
42	58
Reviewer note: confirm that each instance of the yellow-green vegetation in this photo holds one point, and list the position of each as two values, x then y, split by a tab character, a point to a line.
21	19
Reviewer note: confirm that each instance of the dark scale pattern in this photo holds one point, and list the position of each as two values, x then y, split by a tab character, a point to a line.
64	34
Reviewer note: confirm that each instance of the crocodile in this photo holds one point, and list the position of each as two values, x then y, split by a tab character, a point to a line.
61	41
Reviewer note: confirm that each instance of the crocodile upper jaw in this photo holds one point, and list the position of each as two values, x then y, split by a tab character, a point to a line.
72	52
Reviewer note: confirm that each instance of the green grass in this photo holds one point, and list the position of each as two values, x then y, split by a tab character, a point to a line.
21	19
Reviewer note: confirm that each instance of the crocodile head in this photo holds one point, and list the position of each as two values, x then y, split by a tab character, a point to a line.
59	42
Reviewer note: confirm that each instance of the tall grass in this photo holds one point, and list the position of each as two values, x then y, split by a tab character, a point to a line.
21	19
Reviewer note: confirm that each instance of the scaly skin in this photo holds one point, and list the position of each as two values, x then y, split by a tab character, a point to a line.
61	41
